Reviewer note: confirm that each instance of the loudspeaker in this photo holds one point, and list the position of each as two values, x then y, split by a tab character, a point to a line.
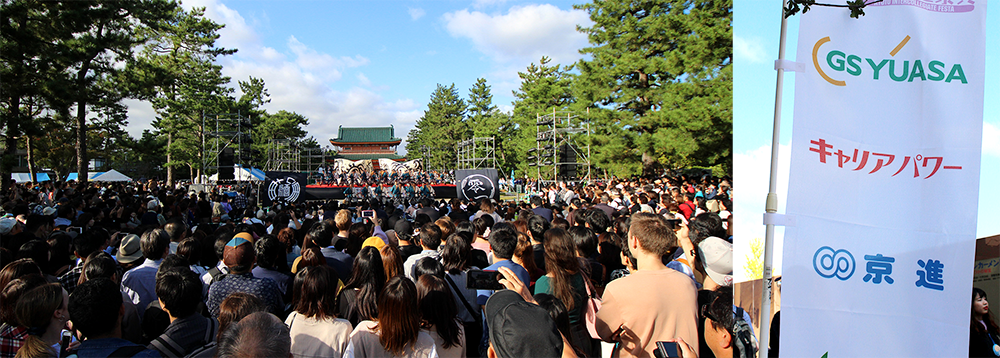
226	171
567	155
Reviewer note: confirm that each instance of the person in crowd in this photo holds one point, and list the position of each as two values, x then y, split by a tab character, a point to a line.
392	261
520	328
129	252
311	256
984	336
538	209
179	292
503	240
12	333
315	329
232	310
90	241
18	268
269	254
454	257
482	224
321	235
537	226
140	282
239	257
96	309
719	321
44	311
101	265
440	316
565	280
430	239
586	252
358	301
404	235
260	334
396	332
668	306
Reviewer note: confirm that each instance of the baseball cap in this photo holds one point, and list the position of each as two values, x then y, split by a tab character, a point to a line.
238	252
129	251
403	230
717	254
521	329
7	224
49	211
375	242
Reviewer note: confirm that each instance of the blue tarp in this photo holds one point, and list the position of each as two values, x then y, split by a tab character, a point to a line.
25	177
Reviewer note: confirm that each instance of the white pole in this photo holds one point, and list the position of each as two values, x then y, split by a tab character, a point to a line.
771	205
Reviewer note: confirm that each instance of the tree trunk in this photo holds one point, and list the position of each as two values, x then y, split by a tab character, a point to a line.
31	161
648	163
82	163
170	168
10	147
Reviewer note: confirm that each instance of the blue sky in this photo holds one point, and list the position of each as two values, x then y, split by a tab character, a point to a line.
756	33
375	63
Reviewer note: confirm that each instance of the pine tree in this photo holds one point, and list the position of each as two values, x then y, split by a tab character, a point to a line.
666	66
544	89
440	128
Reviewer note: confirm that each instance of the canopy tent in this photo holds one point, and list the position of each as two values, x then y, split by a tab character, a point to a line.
76	176
26	177
111	175
243	174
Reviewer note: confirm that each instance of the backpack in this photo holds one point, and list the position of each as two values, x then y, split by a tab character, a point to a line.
743	337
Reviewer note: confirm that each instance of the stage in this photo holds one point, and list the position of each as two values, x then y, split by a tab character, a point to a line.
336	192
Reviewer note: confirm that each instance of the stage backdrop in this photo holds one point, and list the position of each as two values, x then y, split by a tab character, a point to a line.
475	184
287	187
884	181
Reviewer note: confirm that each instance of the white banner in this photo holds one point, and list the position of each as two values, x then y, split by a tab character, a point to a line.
884	181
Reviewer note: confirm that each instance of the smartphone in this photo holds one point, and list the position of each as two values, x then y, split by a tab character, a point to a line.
666	349
76	229
367	213
674	223
484	280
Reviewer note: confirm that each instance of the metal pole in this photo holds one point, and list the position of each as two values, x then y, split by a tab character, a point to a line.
771	205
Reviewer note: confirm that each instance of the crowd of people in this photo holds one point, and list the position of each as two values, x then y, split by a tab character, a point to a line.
139	269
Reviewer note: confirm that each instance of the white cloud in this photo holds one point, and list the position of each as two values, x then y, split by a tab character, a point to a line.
298	78
991	139
525	33
416	13
751	176
749	49
364	80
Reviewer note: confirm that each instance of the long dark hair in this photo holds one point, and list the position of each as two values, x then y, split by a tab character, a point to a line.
561	262
987	318
368	277
399	316
438	309
318	293
455	254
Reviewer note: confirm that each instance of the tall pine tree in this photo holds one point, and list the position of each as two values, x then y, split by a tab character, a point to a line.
441	127
544	88
666	67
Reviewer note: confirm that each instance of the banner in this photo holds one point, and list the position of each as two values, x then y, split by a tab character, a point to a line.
475	184
284	187
884	181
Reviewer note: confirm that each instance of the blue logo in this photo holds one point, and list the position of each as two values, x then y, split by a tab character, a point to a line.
829	263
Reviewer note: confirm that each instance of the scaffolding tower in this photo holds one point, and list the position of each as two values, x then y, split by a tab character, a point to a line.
232	131
556	146
477	153
283	155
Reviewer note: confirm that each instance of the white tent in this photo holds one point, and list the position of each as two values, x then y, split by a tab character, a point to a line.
242	174
76	176
26	177
111	175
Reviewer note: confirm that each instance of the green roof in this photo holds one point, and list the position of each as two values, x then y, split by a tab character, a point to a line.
365	135
368	156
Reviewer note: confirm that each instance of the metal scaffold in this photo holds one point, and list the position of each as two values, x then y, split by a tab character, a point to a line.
556	146
477	153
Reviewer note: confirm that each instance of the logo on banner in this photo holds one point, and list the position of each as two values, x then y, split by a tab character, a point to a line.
829	263
285	189
898	70
933	5
477	186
